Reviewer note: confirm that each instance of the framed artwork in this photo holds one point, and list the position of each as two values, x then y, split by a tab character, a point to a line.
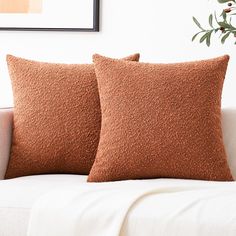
49	15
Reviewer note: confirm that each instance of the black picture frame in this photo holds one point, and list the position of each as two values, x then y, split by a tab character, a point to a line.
95	28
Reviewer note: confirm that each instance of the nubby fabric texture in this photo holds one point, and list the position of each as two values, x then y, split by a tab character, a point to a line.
160	120
57	117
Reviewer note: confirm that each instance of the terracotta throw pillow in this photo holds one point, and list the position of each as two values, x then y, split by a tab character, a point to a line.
57	117
160	120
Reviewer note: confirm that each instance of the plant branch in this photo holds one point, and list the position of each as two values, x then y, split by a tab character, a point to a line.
223	22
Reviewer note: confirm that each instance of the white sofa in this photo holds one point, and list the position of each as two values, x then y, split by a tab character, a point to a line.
17	196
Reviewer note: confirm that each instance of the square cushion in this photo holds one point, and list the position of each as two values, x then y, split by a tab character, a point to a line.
57	117
160	120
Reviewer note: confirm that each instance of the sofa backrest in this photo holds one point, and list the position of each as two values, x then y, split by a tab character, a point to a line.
228	124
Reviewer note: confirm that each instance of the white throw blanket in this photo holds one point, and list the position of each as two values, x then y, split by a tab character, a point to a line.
133	208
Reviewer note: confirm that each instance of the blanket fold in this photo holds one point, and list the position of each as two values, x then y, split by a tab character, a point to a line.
102	209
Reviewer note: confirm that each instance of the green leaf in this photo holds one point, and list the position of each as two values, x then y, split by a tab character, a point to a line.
225	25
208	39
197	23
225	37
210	20
194	37
224	15
216	18
224	1
203	37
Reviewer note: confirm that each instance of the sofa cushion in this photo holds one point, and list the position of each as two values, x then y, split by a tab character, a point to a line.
156	212
57	117
17	197
160	120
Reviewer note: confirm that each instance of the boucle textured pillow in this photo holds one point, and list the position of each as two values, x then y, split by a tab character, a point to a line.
160	120
57	117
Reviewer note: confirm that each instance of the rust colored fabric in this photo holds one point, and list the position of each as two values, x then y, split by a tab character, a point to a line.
57	117
160	120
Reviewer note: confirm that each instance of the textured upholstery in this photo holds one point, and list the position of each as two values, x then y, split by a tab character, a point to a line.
57	117
6	116
228	125
160	120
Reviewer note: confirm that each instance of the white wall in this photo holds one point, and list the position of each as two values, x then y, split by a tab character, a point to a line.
160	30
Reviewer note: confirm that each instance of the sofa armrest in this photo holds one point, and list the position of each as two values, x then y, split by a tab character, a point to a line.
6	118
229	135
